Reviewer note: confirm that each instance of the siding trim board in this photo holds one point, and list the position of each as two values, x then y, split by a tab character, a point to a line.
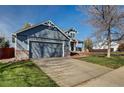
28	44
15	46
63	49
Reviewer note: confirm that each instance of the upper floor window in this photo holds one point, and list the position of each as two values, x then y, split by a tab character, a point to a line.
72	35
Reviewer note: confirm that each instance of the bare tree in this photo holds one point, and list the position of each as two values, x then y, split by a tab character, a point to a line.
4	43
27	25
88	44
109	23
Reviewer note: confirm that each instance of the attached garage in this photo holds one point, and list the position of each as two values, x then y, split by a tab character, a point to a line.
46	49
44	40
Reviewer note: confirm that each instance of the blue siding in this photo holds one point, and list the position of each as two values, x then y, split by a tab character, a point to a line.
44	32
41	34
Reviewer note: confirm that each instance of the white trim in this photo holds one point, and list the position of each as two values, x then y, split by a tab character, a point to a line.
63	53
15	45
45	41
59	29
69	43
28	44
82	48
62	32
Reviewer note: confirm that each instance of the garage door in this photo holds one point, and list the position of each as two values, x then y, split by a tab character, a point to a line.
45	50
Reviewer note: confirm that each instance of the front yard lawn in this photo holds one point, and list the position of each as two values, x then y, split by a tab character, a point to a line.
113	62
23	74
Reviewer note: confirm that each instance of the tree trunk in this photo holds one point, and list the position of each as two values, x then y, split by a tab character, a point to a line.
109	50
109	44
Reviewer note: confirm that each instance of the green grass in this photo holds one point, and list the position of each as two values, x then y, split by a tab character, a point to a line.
105	53
113	62
23	74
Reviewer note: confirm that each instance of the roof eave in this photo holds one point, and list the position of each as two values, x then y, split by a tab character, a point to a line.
15	33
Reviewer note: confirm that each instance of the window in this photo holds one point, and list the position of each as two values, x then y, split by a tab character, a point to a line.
72	35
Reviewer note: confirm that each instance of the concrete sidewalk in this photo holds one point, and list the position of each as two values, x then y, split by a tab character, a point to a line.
112	79
68	72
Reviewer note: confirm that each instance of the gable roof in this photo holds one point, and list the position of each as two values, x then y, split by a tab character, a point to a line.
71	30
46	23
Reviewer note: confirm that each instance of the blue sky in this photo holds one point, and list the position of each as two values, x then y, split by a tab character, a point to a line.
12	18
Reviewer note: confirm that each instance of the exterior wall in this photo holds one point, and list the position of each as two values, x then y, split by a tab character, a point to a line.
22	51
44	32
41	34
113	45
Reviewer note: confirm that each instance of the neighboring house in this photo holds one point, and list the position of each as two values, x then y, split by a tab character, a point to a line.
121	41
114	46
42	41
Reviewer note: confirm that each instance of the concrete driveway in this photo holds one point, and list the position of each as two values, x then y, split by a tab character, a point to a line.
68	72
112	79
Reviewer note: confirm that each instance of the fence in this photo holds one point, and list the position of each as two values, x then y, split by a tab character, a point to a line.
99	53
6	53
101	50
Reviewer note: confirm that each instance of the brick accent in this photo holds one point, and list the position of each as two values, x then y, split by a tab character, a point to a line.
22	54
